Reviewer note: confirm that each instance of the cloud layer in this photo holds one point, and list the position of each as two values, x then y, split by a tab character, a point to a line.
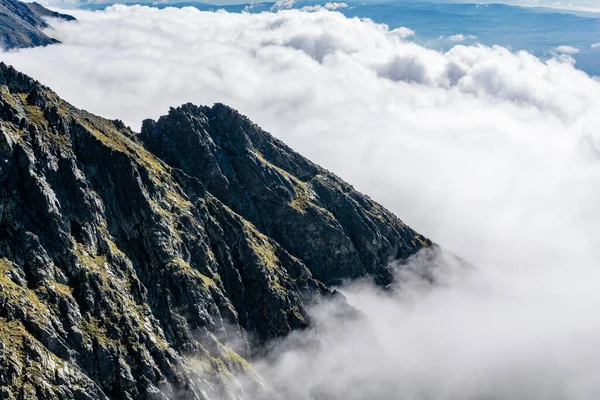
492	154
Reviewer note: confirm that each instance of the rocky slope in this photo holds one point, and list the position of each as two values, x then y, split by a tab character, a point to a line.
153	265
21	24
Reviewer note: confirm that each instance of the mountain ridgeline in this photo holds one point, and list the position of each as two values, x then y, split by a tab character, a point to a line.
21	24
153	265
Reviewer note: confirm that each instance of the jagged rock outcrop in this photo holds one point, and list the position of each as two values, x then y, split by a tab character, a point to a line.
42	12
338	232
21	24
153	265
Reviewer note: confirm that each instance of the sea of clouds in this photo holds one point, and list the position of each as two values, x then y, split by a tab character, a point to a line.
492	154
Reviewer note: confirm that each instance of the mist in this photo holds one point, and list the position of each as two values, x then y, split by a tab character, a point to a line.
473	335
492	154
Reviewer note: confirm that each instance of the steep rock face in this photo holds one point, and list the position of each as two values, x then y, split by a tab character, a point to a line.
42	11
124	273
21	24
338	232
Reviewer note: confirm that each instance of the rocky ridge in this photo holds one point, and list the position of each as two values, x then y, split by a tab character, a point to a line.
21	24
154	265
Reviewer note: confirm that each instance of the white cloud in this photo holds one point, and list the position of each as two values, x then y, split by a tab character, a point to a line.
488	339
335	6
402	32
283	5
596	46
313	8
328	6
457	38
493	154
566	50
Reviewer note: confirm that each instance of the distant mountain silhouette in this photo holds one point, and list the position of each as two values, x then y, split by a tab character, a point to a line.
21	24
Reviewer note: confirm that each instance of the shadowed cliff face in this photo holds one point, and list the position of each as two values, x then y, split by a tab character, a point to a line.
338	232
21	24
124	257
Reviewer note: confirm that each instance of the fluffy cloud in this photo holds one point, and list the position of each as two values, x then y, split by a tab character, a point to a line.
403	32
567	50
328	6
457	38
335	5
493	154
283	5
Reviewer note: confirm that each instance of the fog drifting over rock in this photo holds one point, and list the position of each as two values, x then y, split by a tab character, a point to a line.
492	154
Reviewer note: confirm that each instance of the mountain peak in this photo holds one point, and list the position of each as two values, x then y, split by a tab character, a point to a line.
15	80
127	260
287	197
21	24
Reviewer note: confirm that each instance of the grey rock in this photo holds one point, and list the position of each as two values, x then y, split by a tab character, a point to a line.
21	24
131	263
